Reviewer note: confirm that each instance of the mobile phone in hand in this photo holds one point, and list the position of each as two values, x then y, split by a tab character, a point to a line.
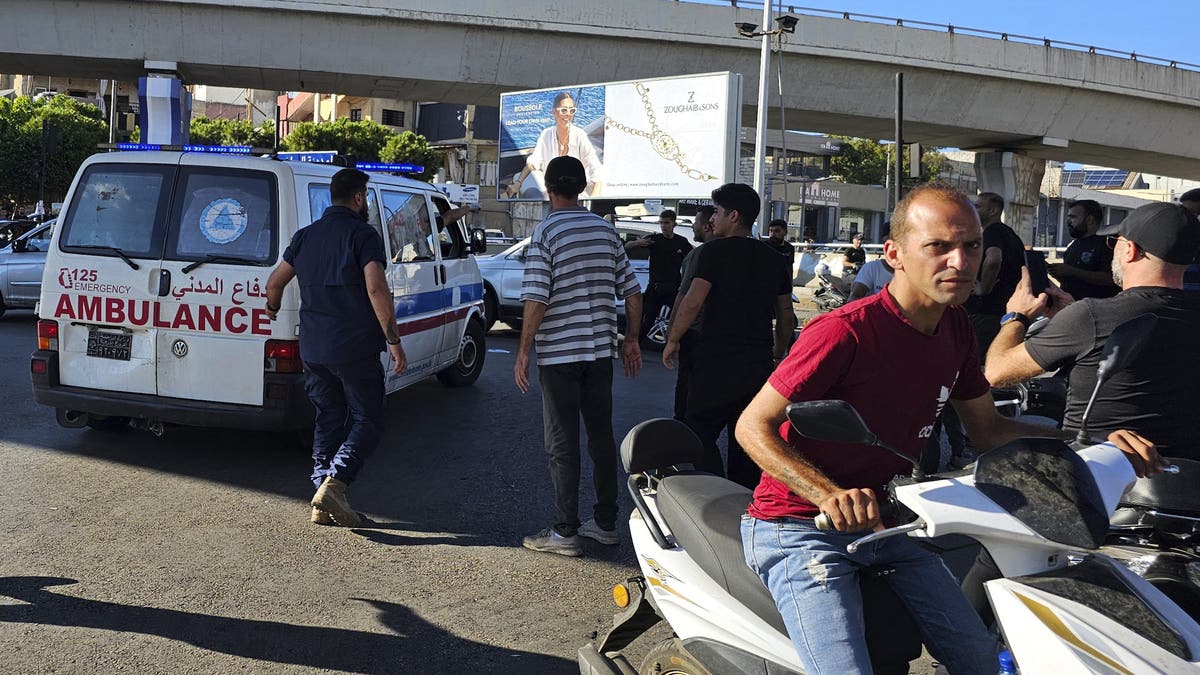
1039	281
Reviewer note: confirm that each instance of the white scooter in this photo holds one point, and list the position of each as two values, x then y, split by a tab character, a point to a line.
1041	509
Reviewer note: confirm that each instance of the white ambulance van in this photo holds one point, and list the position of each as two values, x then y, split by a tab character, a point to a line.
153	302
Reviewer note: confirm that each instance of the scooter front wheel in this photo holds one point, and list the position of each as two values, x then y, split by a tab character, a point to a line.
670	658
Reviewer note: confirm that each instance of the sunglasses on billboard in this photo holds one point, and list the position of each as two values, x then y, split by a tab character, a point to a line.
566	111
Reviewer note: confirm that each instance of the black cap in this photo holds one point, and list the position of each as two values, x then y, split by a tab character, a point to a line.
1192	195
565	175
1166	231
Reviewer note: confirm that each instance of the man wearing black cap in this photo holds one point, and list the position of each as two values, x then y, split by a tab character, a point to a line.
1156	396
1190	200
575	268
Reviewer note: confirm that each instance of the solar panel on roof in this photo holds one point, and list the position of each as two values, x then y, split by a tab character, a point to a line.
1106	178
1073	178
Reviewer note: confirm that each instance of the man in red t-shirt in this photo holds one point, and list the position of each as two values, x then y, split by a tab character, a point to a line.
898	357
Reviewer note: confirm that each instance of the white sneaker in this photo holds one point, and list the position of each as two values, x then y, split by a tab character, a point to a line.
593	531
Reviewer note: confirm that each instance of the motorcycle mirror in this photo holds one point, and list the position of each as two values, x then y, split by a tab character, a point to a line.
838	422
1121	349
833	421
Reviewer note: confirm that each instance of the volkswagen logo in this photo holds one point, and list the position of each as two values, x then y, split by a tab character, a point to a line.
179	348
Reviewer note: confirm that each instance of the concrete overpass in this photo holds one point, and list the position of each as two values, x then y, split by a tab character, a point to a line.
961	90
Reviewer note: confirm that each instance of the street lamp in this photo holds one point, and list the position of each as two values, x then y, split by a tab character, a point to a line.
787	24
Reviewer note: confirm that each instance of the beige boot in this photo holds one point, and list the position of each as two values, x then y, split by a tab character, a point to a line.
331	498
320	517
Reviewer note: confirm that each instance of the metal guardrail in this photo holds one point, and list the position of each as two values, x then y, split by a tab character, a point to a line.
951	28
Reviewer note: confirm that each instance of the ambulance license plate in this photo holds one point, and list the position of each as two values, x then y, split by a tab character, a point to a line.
109	345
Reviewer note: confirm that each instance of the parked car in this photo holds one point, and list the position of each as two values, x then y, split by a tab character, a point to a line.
502	272
11	229
21	265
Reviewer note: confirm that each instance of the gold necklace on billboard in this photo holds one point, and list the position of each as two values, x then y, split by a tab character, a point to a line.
661	141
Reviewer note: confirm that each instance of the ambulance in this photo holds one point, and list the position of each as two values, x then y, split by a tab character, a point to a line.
153	301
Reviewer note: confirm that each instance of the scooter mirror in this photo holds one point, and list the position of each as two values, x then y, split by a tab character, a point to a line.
833	421
839	422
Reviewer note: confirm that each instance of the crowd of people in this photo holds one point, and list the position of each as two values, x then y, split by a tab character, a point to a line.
939	320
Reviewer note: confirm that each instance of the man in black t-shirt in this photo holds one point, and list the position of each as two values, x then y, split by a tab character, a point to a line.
743	285
1085	269
777	239
1003	258
1156	396
666	257
854	257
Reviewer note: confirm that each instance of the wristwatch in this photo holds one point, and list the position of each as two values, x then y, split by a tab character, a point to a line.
392	343
1015	316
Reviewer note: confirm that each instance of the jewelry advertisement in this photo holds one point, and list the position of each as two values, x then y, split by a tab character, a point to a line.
641	139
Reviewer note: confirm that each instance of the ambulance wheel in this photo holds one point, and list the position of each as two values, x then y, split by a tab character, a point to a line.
491	308
670	658
471	353
100	423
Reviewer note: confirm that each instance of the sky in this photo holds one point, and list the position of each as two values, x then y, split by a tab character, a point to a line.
1163	28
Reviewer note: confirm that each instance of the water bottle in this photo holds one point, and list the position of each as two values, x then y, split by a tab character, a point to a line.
1007	665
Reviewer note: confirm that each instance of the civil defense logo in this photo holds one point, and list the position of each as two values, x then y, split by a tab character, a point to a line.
223	221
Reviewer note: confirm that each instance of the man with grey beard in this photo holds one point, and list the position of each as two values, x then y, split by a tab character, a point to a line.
1156	396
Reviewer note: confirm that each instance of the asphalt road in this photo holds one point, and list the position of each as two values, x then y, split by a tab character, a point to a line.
124	552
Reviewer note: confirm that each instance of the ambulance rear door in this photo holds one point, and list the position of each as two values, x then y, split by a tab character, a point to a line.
102	275
222	241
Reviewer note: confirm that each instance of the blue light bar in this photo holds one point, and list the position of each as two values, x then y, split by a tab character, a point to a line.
220	149
211	149
394	168
314	157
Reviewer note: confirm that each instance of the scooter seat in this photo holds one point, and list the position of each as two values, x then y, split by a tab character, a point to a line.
704	513
1176	493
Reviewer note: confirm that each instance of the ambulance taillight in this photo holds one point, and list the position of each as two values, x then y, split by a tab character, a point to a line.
283	356
47	333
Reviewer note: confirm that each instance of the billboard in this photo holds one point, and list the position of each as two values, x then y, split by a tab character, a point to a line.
671	137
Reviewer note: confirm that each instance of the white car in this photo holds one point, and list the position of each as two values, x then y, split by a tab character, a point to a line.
502	273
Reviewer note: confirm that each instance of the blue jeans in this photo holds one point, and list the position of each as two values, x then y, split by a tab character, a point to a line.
349	399
815	585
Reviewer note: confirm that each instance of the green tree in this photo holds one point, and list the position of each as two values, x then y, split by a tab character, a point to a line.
220	131
412	148
82	129
362	140
865	162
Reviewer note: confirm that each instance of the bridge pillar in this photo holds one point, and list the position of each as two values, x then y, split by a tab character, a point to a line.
1017	178
164	106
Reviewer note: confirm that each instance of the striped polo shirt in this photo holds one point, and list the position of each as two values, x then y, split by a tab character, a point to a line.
576	265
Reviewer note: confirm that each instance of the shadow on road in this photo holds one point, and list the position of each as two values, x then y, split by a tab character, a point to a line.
412	645
464	463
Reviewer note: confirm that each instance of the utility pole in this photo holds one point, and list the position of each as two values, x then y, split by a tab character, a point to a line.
51	137
898	156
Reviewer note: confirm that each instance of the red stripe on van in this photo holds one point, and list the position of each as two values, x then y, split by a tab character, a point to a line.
427	323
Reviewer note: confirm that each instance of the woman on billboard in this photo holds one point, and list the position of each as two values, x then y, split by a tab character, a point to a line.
564	138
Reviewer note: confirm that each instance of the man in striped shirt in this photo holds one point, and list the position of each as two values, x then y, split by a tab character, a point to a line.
575	268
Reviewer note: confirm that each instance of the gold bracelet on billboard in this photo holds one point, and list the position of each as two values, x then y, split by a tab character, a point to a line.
661	141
